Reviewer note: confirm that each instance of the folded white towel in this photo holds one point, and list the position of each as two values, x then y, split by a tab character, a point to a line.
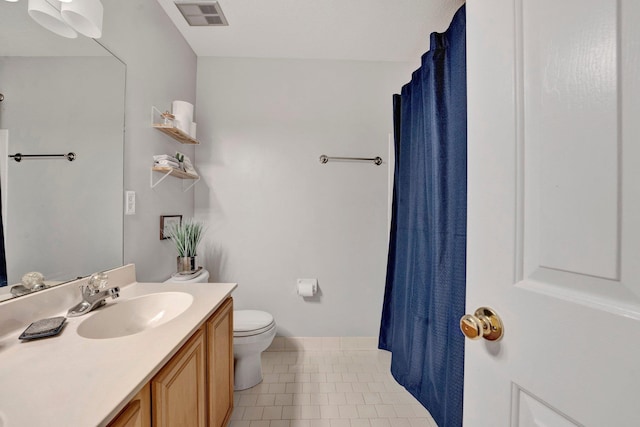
188	166
165	157
175	165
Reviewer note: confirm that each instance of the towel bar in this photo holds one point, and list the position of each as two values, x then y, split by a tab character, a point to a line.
377	160
18	157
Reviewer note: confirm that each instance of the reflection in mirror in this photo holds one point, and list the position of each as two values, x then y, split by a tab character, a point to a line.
61	218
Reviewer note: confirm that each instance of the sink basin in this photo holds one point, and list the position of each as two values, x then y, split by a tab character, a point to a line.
135	315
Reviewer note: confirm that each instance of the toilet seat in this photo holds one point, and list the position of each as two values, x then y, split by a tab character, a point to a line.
248	323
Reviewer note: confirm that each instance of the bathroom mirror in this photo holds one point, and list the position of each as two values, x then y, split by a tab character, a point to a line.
61	218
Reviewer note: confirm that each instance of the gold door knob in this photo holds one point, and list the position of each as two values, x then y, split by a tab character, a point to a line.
484	323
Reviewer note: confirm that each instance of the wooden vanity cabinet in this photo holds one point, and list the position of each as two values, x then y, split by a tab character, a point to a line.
137	413
220	364
195	388
179	390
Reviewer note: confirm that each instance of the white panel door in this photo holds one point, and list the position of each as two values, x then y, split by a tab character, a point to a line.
554	212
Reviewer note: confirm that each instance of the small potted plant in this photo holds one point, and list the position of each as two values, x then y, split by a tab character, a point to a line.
186	235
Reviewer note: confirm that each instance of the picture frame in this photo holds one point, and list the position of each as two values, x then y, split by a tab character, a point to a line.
165	221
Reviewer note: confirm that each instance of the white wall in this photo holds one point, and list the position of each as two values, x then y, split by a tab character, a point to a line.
275	213
161	67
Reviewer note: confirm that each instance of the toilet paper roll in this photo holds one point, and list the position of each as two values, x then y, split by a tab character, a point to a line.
306	288
183	109
182	123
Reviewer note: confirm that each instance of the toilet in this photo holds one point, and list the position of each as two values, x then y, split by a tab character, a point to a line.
200	276
253	333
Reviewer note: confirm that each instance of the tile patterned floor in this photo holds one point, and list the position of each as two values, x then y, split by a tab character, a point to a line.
328	388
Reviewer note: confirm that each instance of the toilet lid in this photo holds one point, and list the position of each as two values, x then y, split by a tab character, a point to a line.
251	322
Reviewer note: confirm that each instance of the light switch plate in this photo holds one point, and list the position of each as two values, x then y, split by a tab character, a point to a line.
129	202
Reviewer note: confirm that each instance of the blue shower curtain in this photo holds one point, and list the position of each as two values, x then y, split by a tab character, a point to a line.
425	288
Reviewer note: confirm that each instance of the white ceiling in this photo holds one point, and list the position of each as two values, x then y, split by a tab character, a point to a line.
370	30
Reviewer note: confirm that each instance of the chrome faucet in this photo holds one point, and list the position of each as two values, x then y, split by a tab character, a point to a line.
94	294
31	282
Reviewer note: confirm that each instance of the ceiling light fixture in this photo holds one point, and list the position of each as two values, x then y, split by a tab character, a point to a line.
84	16
67	18
47	14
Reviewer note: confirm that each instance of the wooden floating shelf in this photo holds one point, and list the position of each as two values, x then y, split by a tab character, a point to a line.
174	172
176	134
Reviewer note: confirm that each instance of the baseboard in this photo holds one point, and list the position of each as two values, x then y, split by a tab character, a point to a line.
323	343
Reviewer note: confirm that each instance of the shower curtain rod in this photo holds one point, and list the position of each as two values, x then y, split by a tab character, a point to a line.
377	160
19	156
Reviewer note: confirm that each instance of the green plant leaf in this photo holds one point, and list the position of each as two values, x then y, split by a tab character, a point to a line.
186	235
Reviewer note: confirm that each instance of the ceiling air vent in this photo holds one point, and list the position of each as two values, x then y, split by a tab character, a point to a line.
202	13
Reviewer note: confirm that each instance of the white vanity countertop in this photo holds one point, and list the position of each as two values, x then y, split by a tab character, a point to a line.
69	380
